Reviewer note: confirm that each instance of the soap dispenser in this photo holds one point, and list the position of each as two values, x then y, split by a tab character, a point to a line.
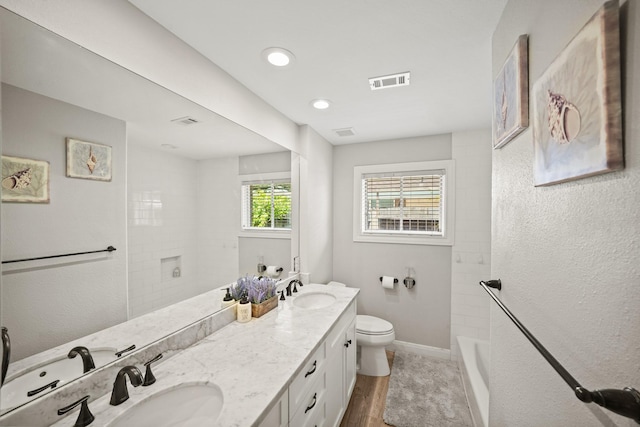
244	311
227	300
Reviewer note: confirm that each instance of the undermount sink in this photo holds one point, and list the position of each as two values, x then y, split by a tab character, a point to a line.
15	390
314	300
187	405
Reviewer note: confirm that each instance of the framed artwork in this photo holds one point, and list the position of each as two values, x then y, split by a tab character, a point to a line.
88	160
511	95
25	180
577	125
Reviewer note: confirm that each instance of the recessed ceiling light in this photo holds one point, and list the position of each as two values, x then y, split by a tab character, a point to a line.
278	56
321	104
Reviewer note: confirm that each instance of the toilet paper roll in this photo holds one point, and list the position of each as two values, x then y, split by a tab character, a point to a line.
387	282
273	271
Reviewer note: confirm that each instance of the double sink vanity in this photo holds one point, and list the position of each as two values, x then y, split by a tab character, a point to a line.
294	366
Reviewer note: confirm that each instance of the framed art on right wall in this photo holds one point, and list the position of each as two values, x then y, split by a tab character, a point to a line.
577	120
511	95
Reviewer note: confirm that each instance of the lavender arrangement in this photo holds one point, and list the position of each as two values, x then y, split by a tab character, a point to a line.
255	289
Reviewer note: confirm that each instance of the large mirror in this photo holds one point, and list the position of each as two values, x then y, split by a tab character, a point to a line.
168	198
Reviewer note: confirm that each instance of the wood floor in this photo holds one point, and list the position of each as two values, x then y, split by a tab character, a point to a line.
367	401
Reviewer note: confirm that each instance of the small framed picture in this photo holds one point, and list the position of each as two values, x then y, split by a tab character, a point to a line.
88	160
511	95
25	180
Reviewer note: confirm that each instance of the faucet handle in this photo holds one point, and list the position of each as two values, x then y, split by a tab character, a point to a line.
121	352
149	378
6	353
85	417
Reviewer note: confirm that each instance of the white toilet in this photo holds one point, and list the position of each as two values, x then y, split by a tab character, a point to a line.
372	335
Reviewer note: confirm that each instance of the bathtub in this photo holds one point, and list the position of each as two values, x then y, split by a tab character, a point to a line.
474	364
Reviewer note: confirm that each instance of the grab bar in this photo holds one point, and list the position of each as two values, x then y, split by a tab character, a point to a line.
109	249
625	402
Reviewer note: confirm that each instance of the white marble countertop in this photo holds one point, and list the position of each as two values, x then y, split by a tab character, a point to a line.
139	331
252	363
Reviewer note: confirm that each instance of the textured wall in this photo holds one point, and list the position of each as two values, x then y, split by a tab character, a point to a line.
567	254
421	315
47	303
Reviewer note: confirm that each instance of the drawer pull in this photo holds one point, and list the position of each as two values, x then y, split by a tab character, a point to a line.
347	344
310	407
315	365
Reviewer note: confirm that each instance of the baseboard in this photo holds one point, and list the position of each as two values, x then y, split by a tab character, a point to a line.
423	350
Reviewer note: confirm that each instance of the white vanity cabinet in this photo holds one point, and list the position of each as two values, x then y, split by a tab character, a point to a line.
319	394
341	366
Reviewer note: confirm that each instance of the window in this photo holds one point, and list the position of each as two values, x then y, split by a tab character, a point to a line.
404	203
266	205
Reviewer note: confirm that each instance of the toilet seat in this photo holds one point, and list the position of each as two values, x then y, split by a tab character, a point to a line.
370	325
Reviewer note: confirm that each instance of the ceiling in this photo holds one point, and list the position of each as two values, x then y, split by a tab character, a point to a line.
338	45
40	61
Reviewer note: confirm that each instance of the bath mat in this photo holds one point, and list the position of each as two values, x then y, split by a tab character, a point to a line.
425	392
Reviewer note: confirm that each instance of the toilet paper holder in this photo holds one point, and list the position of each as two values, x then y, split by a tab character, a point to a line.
395	280
409	282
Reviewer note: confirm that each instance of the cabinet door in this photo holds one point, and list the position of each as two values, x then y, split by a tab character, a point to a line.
350	362
278	416
335	385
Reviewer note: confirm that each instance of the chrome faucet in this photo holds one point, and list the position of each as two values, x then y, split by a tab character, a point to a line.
120	393
6	353
87	360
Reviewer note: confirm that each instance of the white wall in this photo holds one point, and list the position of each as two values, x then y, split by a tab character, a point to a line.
191	209
420	315
317	195
141	45
472	248
62	295
163	197
567	254
218	222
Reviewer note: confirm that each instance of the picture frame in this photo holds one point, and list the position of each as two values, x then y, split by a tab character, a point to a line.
25	180
577	105
88	160
511	95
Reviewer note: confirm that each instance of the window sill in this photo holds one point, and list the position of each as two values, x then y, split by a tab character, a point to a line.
265	234
403	240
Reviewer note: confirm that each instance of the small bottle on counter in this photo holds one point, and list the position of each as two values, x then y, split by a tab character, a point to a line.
243	311
227	300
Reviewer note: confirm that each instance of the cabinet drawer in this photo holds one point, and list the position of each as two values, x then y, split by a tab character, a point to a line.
312	412
313	369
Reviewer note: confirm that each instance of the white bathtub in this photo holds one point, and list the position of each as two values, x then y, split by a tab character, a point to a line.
474	362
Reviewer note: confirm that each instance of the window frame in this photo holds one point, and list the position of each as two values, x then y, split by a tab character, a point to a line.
447	239
262	232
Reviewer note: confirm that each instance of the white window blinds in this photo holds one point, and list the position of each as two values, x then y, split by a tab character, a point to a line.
403	202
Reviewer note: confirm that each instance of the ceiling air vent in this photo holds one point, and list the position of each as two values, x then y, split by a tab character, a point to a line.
185	121
344	132
392	80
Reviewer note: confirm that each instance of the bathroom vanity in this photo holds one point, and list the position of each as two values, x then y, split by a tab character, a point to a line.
294	366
